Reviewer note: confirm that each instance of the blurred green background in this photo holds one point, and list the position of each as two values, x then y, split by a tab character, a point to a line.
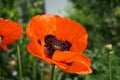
101	18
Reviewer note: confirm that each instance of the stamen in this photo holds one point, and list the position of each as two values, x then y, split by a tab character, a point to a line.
57	47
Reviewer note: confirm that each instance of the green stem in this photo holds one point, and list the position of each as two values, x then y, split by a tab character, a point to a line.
109	66
52	72
34	69
0	66
19	62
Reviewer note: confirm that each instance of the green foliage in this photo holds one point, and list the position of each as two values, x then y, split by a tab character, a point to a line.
101	19
20	10
32	69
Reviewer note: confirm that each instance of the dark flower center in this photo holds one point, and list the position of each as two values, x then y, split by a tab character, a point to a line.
52	44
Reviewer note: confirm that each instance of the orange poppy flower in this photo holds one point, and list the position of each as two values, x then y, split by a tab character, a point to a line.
59	41
9	33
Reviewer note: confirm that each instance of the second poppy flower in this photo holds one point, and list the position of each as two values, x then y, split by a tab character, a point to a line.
9	32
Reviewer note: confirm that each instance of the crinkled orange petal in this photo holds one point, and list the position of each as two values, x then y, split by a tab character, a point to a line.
62	55
36	50
41	26
11	37
73	32
84	59
77	67
66	56
61	65
31	35
80	43
79	58
80	64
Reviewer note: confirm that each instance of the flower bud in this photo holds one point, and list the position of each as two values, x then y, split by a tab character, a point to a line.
108	47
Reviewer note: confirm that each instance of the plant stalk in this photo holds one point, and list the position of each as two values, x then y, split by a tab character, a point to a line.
19	62
109	66
52	72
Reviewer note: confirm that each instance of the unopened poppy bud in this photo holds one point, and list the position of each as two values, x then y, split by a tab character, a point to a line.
108	47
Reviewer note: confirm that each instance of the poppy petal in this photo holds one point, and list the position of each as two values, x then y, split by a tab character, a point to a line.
62	55
36	50
73	32
67	56
79	58
61	65
31	35
77	67
4	47
81	45
41	26
79	64
10	31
